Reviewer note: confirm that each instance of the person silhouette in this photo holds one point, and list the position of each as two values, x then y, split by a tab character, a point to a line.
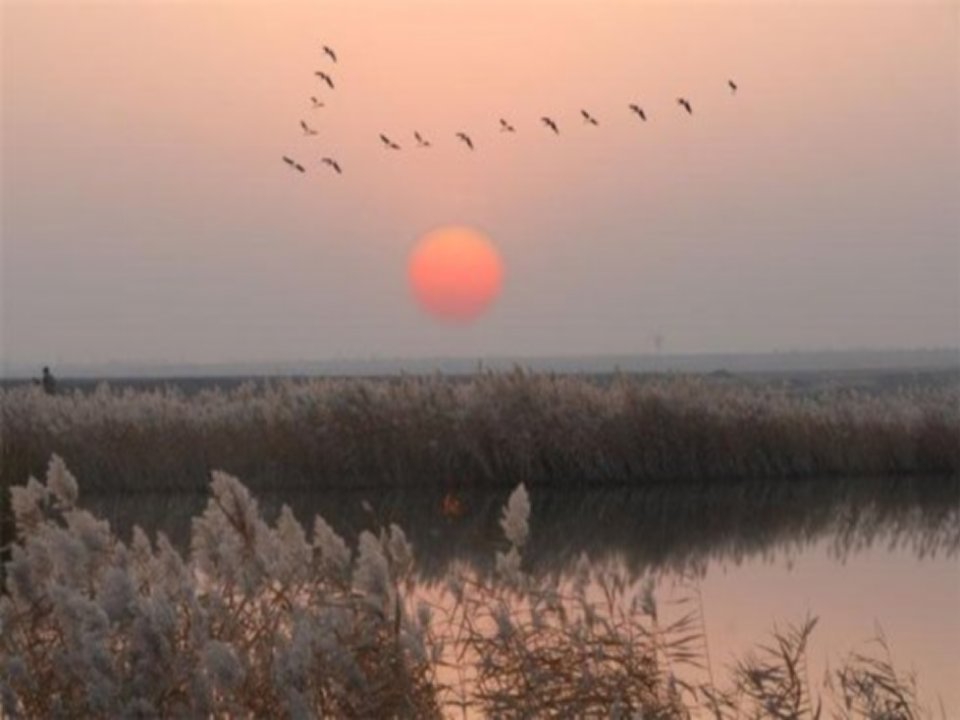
49	382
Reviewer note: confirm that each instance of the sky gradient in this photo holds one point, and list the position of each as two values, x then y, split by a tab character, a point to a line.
147	216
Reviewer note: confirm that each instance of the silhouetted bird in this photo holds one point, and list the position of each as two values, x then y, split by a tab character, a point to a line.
294	164
733	87
420	141
505	126
332	163
326	78
316	102
466	139
588	118
307	130
639	111
550	124
388	142
329	51
686	104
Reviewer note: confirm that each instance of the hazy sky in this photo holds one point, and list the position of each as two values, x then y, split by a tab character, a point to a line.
146	214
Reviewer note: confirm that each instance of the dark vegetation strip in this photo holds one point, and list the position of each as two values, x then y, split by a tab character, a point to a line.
493	430
490	430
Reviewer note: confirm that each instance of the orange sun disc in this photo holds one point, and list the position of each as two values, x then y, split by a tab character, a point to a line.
455	273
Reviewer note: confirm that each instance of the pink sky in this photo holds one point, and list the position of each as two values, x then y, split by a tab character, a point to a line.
146	214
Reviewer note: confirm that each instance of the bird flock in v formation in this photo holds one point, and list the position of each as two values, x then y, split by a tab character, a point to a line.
421	142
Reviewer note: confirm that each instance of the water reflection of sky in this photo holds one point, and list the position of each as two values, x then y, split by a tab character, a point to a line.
857	554
873	590
914	602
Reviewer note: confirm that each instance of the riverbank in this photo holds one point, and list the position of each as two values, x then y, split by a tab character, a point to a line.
492	429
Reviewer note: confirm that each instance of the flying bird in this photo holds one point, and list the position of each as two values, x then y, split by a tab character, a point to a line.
307	130
332	163
505	126
316	103
686	105
420	141
388	142
294	164
466	139
588	118
326	78
329	51
550	124
639	111
733	87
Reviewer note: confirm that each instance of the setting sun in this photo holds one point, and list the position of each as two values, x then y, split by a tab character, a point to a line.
455	273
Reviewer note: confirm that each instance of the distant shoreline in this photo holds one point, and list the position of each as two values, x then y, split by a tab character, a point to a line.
739	363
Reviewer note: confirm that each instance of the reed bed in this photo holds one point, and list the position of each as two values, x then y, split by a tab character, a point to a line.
494	429
263	621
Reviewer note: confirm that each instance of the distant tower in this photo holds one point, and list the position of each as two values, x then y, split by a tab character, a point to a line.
658	348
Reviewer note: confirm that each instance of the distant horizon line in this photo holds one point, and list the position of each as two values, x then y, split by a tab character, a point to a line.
942	356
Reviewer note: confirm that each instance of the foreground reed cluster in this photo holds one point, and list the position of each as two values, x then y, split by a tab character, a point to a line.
264	621
493	428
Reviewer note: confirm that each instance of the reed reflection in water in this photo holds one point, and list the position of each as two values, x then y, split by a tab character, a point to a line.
860	554
654	528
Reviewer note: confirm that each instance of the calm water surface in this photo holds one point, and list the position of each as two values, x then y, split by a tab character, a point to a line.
863	556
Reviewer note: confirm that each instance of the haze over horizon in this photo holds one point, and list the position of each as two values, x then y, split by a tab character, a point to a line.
147	217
